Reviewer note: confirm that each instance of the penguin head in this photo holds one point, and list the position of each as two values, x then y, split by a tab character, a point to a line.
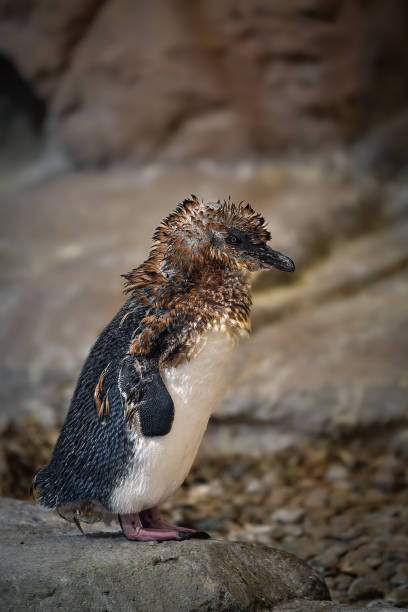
201	234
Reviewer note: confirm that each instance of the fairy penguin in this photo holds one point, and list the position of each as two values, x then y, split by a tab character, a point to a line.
154	375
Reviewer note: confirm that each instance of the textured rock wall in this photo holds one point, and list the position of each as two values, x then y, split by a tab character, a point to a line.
184	79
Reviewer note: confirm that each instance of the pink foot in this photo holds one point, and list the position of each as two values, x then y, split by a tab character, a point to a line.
152	519
150	526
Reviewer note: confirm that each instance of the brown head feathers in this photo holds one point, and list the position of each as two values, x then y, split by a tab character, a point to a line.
194	235
196	276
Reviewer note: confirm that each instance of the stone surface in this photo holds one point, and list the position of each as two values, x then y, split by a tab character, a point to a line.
364	588
220	79
300	605
399	595
47	565
40	37
349	268
337	312
329	370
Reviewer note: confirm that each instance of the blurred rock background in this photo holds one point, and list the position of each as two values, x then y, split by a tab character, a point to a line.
113	111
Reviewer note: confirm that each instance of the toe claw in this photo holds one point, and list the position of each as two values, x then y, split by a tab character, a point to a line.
193	535
201	535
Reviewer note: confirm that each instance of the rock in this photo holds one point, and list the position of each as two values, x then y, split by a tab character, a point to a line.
153	86
399	595
401	575
348	269
326	370
183	80
25	446
301	605
383	148
44	563
288	515
365	588
40	38
330	556
336	471
400	444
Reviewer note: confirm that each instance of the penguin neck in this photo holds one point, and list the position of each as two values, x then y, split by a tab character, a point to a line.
181	307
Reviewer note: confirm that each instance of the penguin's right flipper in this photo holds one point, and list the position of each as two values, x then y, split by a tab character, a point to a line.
145	396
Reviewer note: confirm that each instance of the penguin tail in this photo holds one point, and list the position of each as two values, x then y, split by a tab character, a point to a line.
42	489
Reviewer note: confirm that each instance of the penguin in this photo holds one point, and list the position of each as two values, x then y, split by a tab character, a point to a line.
154	375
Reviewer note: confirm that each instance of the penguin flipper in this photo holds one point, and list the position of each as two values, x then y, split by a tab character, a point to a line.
146	398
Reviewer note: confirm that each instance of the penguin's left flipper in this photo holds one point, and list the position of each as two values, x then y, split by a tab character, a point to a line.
145	395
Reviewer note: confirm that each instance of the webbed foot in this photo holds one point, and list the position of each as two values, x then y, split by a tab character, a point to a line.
153	519
148	525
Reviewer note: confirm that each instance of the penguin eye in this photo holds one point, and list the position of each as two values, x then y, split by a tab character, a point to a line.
233	239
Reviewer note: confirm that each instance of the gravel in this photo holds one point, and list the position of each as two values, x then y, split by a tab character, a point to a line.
325	503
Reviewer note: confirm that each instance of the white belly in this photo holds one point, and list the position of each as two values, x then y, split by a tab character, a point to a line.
160	464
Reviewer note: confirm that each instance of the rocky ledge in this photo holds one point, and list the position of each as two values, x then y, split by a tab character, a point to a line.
48	565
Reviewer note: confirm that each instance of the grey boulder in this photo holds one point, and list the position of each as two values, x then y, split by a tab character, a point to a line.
46	564
301	605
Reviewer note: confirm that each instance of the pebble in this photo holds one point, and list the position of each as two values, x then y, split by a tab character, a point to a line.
357	567
316	498
329	558
365	588
294	530
401	575
288	515
400	444
335	472
399	595
373	562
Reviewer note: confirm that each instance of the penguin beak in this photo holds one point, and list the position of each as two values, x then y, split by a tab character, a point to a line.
274	259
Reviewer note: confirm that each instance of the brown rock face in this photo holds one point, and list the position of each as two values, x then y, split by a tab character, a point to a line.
325	369
181	79
40	37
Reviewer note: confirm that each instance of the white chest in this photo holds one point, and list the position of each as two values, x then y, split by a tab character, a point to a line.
161	464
